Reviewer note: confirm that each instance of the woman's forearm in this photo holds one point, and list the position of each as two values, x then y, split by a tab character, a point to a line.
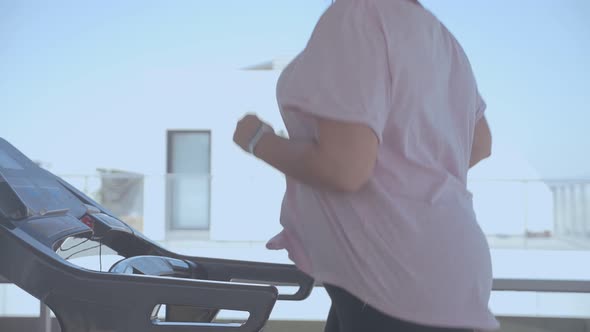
302	161
482	142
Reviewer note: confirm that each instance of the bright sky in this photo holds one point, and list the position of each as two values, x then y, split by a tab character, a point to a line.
531	57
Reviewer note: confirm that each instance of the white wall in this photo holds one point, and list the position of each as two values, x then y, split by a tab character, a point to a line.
124	127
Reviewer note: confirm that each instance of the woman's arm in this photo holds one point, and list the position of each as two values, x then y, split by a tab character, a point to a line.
482	142
342	159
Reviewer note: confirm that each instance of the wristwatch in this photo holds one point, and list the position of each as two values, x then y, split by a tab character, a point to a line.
262	129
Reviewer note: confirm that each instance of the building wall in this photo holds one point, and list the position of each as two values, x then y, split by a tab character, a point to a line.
127	131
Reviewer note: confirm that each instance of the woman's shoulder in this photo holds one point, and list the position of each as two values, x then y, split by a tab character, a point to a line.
382	12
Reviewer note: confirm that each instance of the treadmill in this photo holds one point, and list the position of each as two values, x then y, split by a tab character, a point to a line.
39	212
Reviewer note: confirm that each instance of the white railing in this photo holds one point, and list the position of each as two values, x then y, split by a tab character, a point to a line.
572	207
549	214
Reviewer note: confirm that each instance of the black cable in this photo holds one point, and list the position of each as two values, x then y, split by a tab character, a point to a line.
83	250
74	246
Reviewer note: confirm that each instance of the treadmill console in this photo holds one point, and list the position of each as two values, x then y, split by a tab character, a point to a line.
34	201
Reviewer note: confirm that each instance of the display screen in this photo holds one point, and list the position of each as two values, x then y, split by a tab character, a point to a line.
8	162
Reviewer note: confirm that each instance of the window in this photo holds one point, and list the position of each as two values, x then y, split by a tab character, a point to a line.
188	180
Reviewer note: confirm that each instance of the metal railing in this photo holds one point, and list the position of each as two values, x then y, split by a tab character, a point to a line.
572	207
512	212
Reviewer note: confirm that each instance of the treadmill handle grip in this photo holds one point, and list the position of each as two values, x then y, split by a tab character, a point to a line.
259	273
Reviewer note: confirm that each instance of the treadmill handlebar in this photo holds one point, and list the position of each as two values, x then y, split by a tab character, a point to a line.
254	273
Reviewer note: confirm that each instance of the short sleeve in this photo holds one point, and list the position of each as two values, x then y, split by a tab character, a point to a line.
343	73
480	107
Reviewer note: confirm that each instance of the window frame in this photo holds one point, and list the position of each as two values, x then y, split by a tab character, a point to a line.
172	231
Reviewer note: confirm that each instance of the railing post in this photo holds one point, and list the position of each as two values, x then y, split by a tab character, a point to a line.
567	198
576	209
584	209
573	206
556	218
562	208
526	209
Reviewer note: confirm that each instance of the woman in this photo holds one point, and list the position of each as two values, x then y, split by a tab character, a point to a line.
384	121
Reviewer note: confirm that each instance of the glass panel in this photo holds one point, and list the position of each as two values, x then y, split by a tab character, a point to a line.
189	201
190	153
188	181
7	162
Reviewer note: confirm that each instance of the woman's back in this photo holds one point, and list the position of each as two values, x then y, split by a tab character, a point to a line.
408	242
435	104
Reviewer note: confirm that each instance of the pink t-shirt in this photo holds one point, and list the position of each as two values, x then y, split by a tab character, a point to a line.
408	243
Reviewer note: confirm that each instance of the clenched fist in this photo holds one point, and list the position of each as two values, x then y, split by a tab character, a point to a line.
247	128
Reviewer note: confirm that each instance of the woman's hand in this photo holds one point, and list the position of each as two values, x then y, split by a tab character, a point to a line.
341	159
246	129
